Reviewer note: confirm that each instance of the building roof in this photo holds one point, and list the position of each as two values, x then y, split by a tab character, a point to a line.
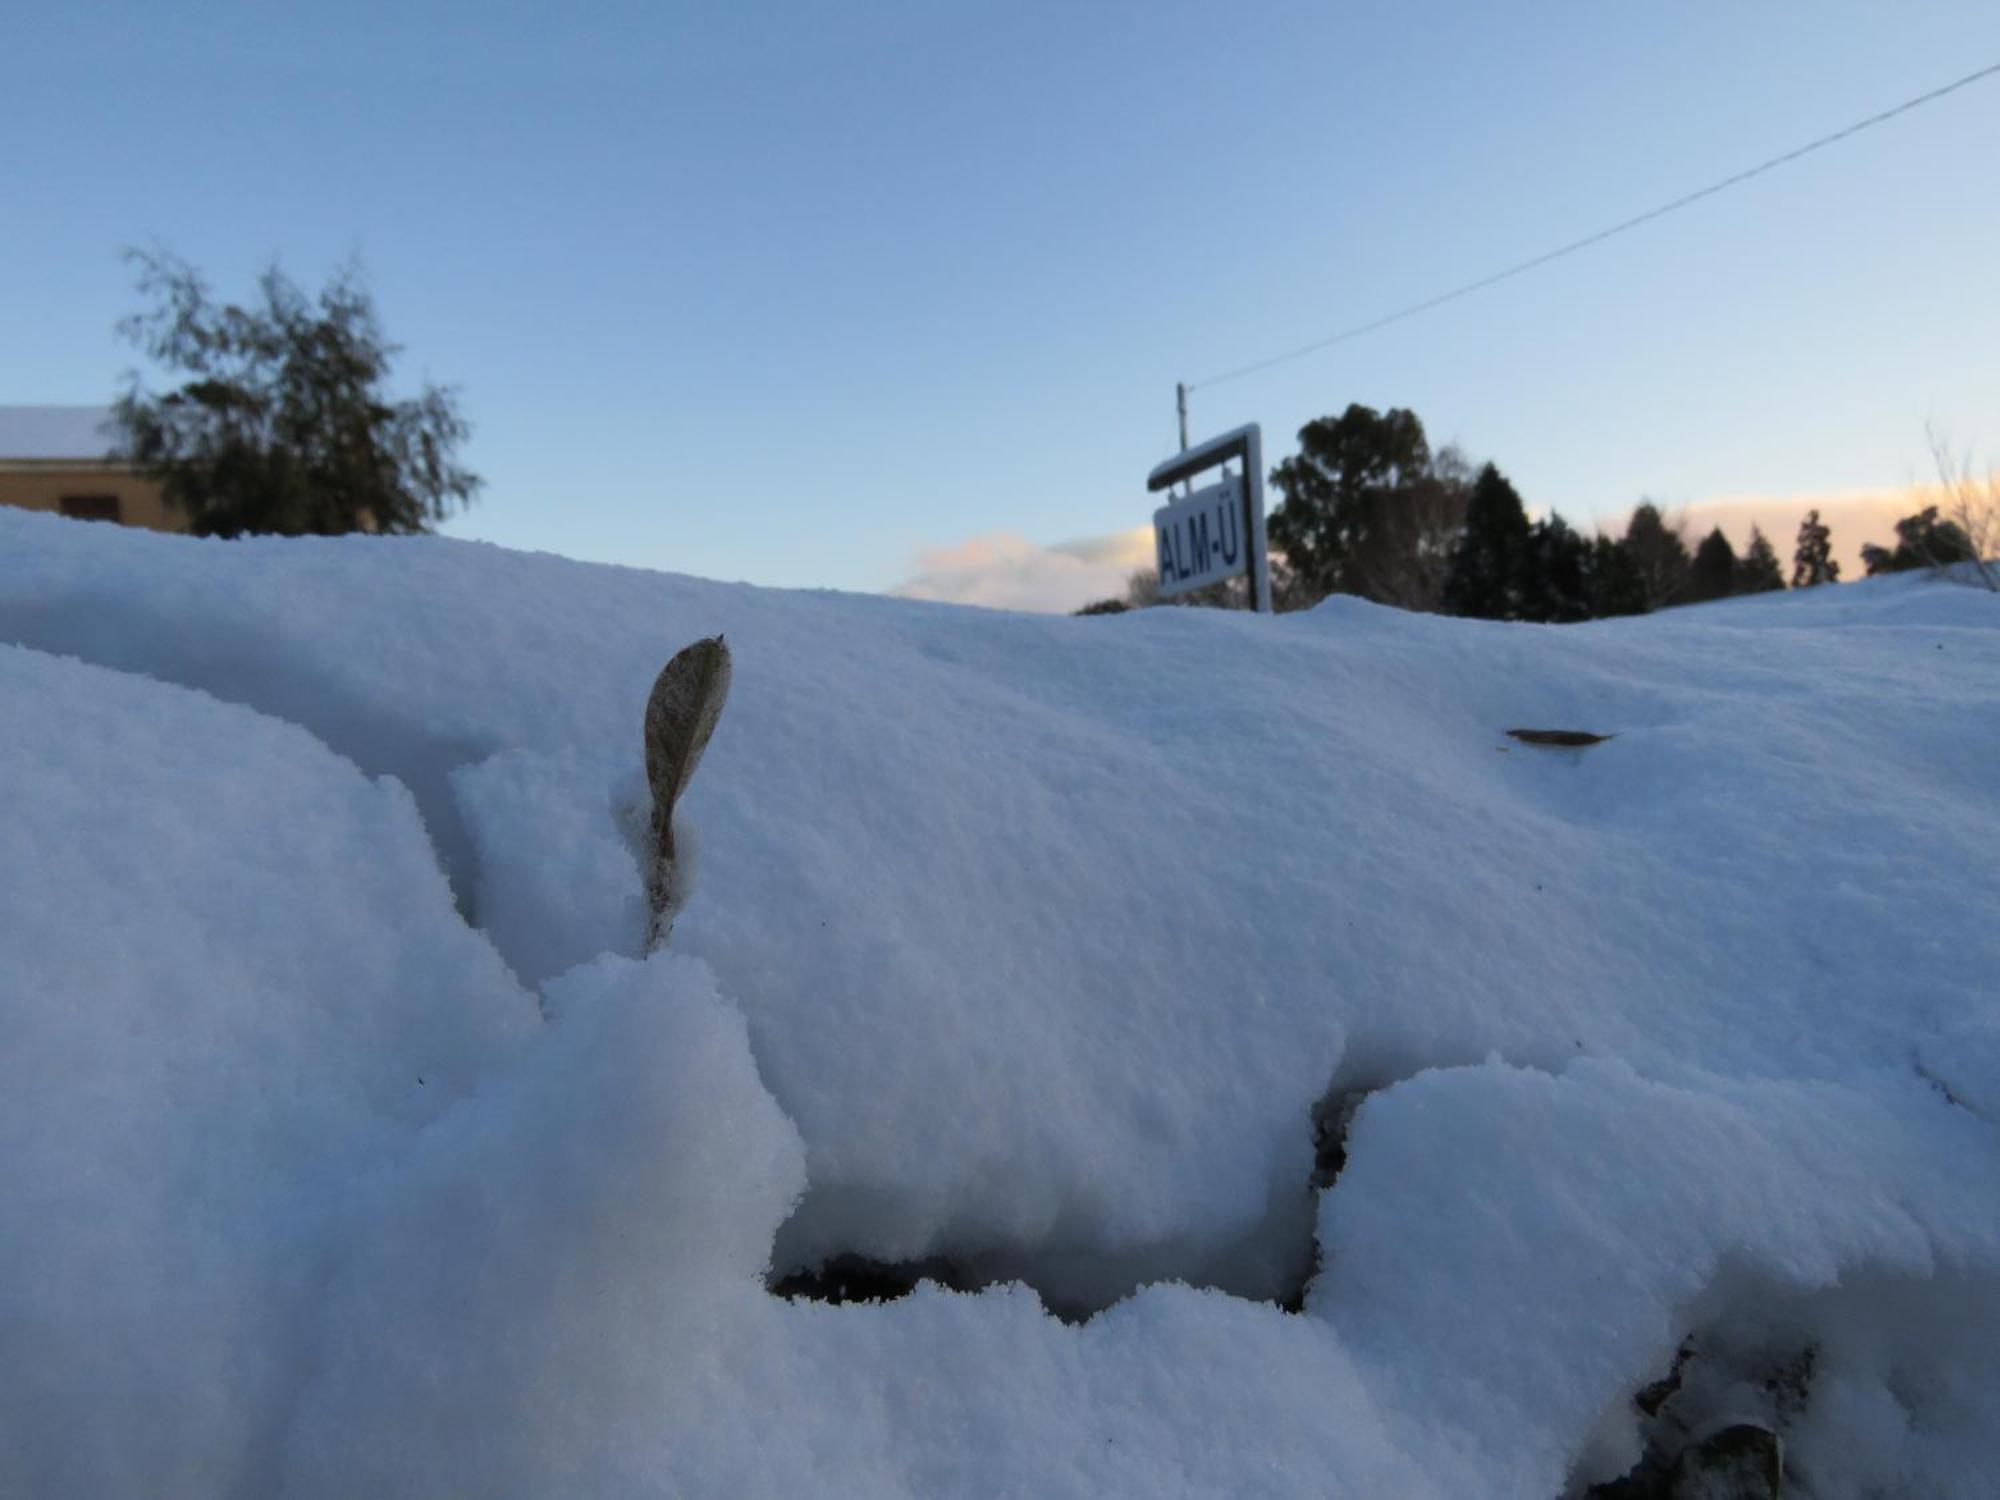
64	432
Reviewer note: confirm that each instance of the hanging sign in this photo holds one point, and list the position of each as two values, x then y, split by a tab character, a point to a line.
1199	540
1217	532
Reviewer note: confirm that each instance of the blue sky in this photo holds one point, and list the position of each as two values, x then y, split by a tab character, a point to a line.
829	296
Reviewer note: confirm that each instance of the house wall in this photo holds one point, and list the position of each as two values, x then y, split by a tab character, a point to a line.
45	484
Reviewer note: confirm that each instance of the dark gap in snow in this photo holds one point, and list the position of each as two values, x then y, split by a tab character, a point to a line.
1272	1262
1332	1118
856	1278
1715	1423
848	1278
1734	1461
1650	1398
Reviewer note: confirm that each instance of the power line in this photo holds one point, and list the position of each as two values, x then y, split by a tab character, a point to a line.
1592	239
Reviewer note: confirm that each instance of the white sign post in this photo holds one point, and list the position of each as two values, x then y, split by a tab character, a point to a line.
1217	532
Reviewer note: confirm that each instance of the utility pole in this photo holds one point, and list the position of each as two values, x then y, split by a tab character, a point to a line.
1180	403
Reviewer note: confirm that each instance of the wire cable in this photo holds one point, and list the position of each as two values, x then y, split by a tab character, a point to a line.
1593	239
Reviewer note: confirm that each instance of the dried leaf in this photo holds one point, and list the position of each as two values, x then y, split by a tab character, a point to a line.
1569	739
681	715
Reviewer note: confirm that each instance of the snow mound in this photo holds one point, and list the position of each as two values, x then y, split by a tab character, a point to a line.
234	985
1033	944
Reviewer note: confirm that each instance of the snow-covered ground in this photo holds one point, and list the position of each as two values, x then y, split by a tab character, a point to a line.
354	1146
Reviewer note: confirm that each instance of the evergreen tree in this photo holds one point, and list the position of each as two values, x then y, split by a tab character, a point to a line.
1338	524
1758	572
1922	541
1712	575
1658	555
1812	561
284	423
1486	576
1556	581
1615	587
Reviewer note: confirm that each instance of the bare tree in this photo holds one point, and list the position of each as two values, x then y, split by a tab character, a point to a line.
1657	545
1407	567
1142	591
1288	590
1971	501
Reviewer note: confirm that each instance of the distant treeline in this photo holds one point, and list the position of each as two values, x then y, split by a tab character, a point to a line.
1368	508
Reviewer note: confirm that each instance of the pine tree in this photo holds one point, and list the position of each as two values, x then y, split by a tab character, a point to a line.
1712	574
1556	580
1362	502
1615	587
1485	579
1812	562
1758	572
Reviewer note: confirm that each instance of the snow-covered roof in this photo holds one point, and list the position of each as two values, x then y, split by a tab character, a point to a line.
57	432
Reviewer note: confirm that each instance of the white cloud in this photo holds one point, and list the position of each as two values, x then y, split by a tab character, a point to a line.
1005	571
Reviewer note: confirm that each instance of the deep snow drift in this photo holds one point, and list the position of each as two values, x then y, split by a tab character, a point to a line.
354	1146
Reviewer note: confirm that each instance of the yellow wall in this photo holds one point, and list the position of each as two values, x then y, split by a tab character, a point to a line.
43	484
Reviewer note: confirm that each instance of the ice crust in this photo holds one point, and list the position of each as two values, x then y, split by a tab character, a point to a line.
1028	942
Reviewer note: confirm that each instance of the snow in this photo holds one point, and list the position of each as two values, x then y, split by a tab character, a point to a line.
217	934
1203	455
57	432
1029	942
